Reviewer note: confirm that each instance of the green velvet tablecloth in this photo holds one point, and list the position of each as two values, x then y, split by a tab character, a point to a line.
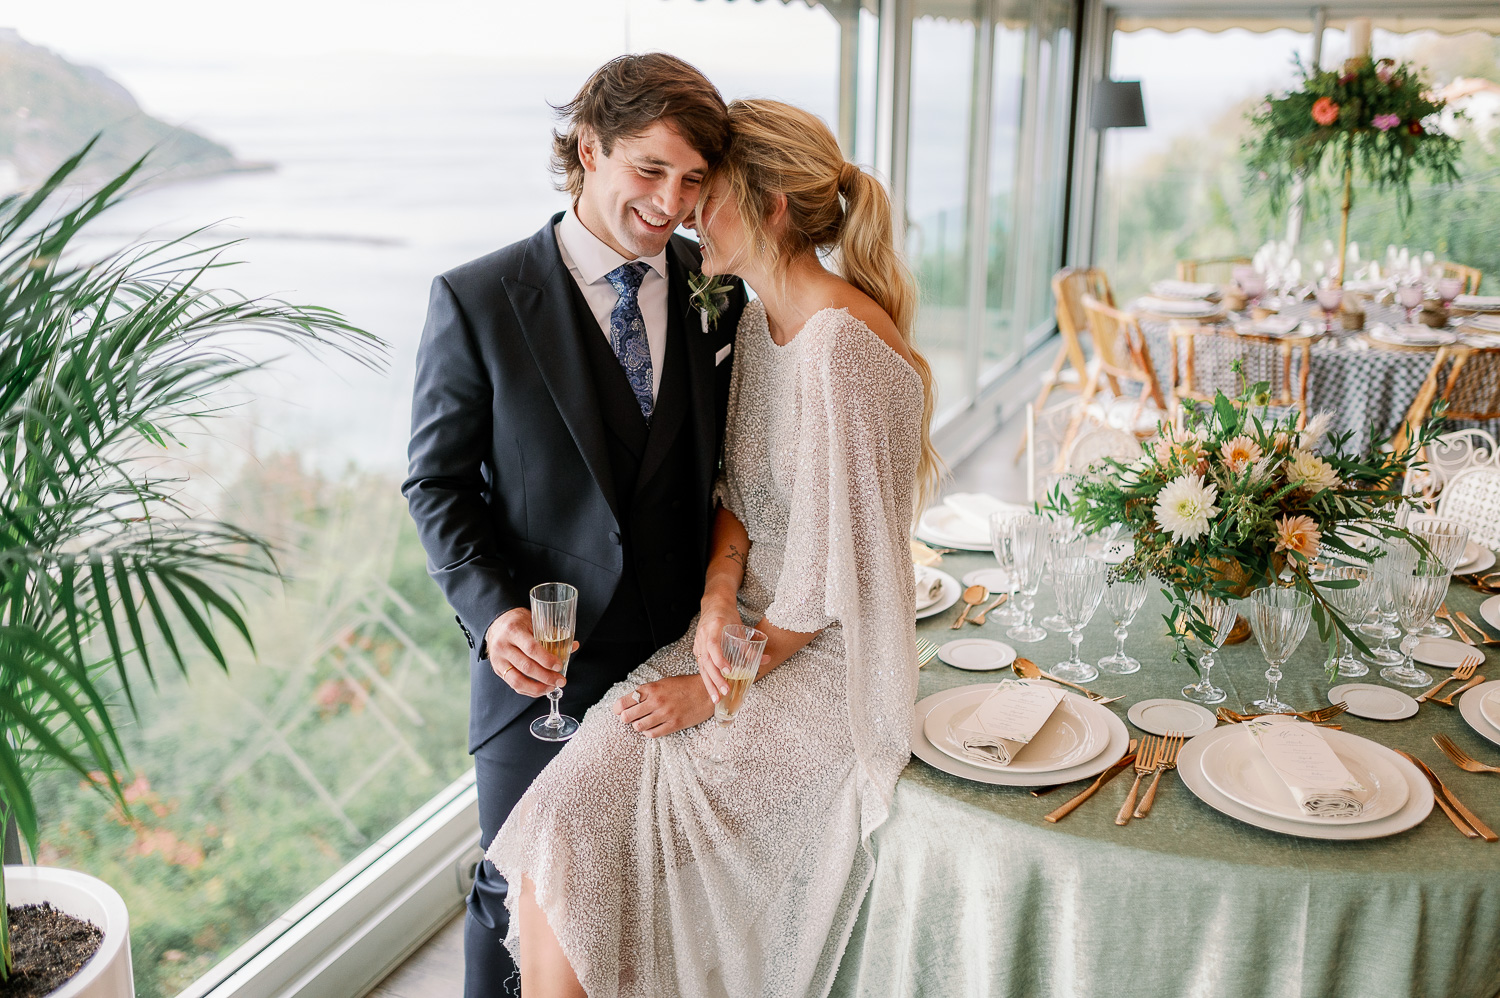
975	895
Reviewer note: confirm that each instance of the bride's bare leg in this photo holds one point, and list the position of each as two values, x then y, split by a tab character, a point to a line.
545	971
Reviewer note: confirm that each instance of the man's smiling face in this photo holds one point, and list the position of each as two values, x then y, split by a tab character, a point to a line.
635	197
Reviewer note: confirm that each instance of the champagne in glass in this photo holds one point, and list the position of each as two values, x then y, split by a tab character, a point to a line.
554	611
743	647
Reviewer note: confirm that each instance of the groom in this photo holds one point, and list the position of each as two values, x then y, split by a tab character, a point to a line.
567	420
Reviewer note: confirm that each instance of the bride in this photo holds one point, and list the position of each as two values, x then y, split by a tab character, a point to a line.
645	868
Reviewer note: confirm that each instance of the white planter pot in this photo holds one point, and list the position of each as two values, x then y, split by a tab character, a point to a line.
107	974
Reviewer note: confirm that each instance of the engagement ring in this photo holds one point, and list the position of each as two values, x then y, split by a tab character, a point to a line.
637	694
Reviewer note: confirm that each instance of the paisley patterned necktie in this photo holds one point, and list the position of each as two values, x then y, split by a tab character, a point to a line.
627	331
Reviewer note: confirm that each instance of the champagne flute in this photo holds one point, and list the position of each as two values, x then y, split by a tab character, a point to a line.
554	611
1009	612
1028	539
1219	614
1123	599
1279	618
1446	540
1419	591
1394	555
1079	584
1352	603
743	648
1065	540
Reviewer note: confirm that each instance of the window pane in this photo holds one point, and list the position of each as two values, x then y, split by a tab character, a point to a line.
1000	342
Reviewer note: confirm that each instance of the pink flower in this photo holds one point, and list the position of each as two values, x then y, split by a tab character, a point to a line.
1385	122
1298	534
1385	69
1325	111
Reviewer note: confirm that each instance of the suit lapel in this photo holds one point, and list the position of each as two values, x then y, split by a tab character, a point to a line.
699	351
546	309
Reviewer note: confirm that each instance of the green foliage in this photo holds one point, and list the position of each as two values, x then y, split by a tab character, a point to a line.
102	364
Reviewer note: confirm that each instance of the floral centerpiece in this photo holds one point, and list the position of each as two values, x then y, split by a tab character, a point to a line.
1232	498
1380	115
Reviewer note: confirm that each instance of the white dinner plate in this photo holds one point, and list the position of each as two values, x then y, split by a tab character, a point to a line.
1484	561
977	654
922	748
950	594
1378	703
1489	610
1237	768
1445	653
996	580
1418	800
945	528
1489	706
1069	737
1160	717
1472	706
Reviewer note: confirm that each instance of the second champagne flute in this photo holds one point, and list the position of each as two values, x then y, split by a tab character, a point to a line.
554	610
743	647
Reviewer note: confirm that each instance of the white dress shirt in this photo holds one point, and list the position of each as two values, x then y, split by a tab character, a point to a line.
589	259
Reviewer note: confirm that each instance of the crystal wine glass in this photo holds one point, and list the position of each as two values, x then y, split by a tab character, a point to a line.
1330	297
1353	603
1446	540
1000	543
1279	618
1028	539
1395	554
554	611
1449	288
1123	599
1220	615
1410	295
1079	584
1066	541
1419	591
743	648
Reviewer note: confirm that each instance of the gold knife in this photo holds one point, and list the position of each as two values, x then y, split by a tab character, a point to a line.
1440	791
1044	791
1125	763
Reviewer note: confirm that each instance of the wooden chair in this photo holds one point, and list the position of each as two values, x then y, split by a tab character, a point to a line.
1472	276
1262	358
1467	379
1220	268
1120	354
1069	285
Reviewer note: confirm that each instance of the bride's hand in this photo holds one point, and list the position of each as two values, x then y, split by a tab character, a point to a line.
665	706
708	647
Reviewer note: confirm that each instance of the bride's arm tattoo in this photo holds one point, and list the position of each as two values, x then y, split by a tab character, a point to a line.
735	554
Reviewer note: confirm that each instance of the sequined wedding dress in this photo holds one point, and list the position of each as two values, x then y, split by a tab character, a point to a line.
663	874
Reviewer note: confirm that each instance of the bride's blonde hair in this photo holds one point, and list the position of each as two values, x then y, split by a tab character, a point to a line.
831	204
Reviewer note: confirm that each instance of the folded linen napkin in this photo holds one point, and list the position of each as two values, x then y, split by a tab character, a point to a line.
1184	289
929	586
1273	325
1483	322
1317	780
1007	720
1477	301
1176	306
974	509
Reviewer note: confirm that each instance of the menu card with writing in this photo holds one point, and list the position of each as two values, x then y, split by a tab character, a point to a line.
1317	780
1007	720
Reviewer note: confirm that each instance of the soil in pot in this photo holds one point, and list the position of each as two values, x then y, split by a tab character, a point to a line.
49	948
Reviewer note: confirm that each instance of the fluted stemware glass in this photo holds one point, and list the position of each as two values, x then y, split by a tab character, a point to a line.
1394	554
1279	618
1418	591
554	610
1000	543
1079	584
1066	541
1028	539
1353	603
1123	599
1219	614
1446	540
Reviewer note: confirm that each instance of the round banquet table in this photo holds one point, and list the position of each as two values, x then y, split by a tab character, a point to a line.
1363	383
974	894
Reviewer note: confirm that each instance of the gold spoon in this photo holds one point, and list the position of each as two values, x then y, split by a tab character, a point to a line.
1027	669
973	596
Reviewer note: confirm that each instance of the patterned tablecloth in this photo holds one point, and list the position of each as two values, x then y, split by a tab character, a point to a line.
1367	386
975	895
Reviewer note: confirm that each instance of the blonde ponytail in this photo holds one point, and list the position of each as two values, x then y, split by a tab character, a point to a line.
776	148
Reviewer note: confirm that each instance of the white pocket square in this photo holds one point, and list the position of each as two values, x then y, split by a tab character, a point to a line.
723	353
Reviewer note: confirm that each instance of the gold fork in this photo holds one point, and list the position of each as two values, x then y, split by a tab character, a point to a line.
1477	629
1463	635
1145	763
1168	760
1461	759
1461	673
926	652
1447	701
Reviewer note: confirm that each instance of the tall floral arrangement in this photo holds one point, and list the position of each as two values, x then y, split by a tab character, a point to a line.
1231	498
1378	115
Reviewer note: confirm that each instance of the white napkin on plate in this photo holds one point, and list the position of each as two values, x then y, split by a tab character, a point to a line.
1477	301
1176	306
1273	325
1184	289
1317	780
974	509
1007	720
929	586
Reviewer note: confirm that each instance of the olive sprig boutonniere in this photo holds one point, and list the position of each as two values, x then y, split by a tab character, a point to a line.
710	296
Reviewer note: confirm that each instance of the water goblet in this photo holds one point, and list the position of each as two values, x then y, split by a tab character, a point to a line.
554	611
1279	618
1219	616
743	648
1353	603
1410	295
1393	555
1446	540
1079	584
1028	540
1066	541
1330	298
1419	591
1449	288
1123	599
1000	544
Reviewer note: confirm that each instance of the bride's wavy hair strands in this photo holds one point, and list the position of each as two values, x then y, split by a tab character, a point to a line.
831	204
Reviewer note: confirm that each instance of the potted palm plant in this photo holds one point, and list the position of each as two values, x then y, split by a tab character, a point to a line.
103	565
